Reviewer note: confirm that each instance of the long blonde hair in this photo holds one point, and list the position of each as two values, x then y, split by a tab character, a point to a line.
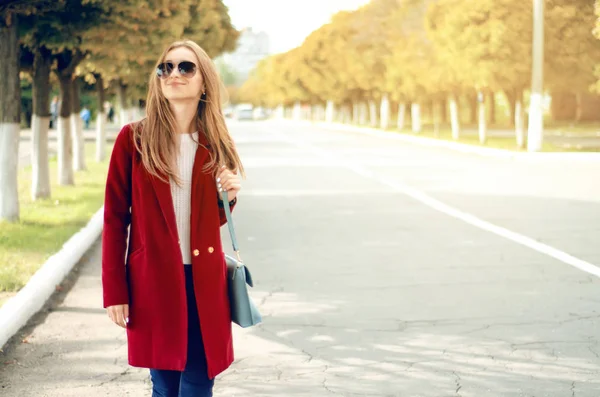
155	136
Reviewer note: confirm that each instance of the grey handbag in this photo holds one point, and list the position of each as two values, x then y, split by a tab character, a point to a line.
243	311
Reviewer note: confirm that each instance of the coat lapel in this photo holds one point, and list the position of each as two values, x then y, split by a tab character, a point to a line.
165	201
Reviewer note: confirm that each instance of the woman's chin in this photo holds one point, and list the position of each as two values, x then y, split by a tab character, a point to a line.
180	98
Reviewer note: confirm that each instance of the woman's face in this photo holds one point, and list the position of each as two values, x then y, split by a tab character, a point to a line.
181	80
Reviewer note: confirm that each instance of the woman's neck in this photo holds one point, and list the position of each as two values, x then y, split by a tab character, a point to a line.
185	116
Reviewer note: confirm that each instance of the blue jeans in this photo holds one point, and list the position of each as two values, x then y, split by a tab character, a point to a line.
193	381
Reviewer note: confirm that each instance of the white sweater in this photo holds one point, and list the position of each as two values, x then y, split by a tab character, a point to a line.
182	196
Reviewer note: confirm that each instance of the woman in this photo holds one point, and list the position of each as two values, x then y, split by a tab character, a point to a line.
164	182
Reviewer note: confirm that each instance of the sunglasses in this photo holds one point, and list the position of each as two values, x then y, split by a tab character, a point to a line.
186	69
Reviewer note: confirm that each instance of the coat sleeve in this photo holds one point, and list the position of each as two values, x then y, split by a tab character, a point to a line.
117	217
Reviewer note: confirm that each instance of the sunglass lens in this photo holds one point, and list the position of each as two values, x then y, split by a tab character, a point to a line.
164	70
187	68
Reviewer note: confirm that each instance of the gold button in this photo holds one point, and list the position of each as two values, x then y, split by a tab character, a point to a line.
196	252
211	250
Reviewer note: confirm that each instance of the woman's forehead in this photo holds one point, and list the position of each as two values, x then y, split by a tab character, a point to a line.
181	53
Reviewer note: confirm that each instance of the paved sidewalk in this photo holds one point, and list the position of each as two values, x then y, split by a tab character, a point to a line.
76	351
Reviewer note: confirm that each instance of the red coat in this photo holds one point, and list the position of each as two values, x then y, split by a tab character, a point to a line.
151	279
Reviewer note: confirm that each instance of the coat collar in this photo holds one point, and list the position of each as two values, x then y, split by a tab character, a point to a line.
162	189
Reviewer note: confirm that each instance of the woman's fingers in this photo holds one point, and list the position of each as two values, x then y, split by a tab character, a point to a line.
119	314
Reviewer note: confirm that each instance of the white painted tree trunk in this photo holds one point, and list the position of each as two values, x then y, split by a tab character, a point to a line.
135	114
65	152
535	133
297	112
384	112
123	119
78	143
482	123
329	111
279	112
40	176
100	137
401	115
454	120
9	157
519	123
415	112
372	113
535	130
363	113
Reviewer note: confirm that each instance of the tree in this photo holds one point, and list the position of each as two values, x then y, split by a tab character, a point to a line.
61	31
10	98
571	50
490	40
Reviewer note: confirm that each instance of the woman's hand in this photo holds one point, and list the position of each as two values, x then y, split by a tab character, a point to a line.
119	314
228	181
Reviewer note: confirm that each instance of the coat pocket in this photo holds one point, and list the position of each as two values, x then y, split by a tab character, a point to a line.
136	253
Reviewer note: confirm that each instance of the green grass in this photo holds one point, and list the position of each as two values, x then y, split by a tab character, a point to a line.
495	142
469	136
45	225
573	129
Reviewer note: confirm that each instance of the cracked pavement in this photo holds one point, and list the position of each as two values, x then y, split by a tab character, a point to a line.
366	291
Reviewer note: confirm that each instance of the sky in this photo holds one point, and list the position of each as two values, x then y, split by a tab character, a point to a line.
287	22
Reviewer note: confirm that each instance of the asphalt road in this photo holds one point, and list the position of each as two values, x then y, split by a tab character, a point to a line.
382	268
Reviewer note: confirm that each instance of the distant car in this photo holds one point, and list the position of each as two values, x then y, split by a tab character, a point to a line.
228	112
244	114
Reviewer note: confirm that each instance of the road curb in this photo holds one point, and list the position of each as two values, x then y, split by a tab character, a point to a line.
17	311
456	146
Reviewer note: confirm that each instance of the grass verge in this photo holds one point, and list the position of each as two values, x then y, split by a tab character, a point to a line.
46	224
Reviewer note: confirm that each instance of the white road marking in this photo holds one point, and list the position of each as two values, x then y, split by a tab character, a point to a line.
451	211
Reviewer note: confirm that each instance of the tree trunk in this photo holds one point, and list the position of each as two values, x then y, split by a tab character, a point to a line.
482	119
444	110
384	112
280	111
372	113
355	112
473	105
10	114
77	129
297	112
415	112
100	121
40	183
511	96
65	143
492	107
454	117
329	112
348	114
363	113
579	108
401	115
435	113
122	100
519	120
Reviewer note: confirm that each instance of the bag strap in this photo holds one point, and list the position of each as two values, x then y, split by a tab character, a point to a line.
225	200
